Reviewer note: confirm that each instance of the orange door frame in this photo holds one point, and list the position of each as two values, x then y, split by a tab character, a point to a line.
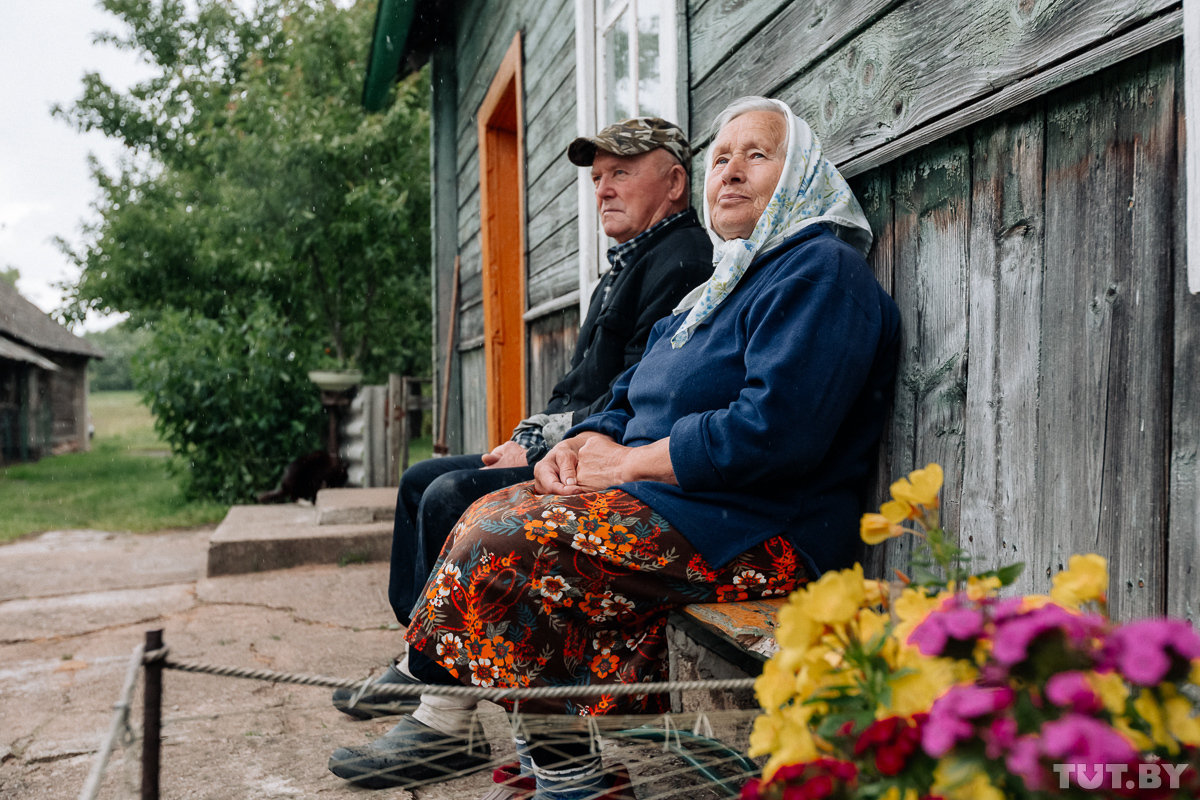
502	221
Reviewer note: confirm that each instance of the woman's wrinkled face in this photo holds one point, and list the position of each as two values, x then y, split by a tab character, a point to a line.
748	157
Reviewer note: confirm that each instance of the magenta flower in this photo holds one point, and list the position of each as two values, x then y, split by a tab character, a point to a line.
950	719
945	626
1149	650
1022	759
1071	690
1015	634
1000	736
1077	739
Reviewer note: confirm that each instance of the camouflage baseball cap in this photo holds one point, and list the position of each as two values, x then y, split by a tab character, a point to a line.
631	137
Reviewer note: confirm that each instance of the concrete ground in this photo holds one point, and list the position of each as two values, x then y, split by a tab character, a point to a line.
74	604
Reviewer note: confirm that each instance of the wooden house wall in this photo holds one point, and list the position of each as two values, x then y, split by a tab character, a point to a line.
1049	352
484	31
68	401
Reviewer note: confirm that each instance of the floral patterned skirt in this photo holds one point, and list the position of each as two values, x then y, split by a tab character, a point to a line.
547	590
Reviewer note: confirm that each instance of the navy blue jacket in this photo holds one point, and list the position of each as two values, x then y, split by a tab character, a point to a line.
773	407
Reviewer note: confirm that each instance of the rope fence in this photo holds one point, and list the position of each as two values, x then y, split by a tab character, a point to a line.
721	767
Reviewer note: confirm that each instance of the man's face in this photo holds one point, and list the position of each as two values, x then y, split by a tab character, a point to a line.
635	192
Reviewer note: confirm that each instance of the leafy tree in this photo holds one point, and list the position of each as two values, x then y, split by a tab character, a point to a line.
10	274
255	184
115	371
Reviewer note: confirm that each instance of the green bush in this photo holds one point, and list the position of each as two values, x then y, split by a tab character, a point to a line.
231	398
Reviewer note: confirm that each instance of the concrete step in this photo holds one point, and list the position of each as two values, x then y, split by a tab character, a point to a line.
356	506
261	538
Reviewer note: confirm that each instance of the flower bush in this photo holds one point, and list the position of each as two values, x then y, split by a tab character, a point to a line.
933	686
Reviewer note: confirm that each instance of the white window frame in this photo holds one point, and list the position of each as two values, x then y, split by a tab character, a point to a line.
591	113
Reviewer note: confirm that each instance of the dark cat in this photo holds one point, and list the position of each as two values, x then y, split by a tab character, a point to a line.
308	474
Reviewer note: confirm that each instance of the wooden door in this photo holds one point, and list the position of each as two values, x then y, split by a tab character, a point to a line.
502	210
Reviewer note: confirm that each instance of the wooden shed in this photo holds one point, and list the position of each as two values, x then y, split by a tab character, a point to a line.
43	382
1022	163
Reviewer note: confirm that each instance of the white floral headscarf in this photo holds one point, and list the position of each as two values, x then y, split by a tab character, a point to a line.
810	190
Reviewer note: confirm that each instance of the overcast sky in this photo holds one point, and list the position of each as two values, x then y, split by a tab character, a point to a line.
45	186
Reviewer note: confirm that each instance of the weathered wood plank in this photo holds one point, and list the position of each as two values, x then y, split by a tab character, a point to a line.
559	212
729	61
552	341
543	191
898	73
548	141
1102	431
874	191
1183	524
718	28
932	240
474	379
553	266
999	512
1135	42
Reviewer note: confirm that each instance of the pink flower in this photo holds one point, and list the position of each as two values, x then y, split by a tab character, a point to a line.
1015	634
945	627
1150	650
1071	690
1000	736
951	715
1022	759
1078	739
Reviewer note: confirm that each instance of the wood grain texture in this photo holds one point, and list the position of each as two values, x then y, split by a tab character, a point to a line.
733	60
932	219
1107	254
552	341
999	493
474	407
875	192
720	29
902	71
1183	523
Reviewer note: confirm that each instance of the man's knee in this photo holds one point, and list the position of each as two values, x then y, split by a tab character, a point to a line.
452	490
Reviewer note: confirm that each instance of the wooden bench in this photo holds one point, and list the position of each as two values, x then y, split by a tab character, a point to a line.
741	633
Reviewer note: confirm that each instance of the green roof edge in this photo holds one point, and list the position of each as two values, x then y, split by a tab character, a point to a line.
393	21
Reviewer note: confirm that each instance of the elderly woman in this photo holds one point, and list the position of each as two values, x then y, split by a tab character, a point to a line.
728	466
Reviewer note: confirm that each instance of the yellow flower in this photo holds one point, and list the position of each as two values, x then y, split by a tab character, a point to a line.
979	588
955	779
837	596
786	741
1194	676
797	627
1111	688
893	793
1084	579
912	606
1032	602
925	680
1180	722
876	528
1136	738
875	593
920	488
1152	712
775	686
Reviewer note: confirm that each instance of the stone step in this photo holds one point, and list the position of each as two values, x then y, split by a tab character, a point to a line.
356	506
261	538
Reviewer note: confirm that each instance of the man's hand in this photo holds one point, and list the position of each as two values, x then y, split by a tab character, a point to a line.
509	454
555	473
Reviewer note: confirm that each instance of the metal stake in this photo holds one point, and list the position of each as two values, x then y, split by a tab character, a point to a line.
152	719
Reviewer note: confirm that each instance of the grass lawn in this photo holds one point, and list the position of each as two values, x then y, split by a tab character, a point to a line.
121	484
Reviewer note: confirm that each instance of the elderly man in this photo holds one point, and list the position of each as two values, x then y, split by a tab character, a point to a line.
639	169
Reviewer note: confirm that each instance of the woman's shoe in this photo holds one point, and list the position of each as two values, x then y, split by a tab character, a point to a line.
510	784
372	705
412	754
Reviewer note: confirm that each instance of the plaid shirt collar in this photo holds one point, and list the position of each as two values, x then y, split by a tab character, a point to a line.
622	255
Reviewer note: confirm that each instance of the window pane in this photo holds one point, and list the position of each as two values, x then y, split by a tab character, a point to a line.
618	84
650	84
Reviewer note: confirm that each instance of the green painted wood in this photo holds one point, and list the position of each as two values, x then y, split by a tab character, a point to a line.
720	27
1000	493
